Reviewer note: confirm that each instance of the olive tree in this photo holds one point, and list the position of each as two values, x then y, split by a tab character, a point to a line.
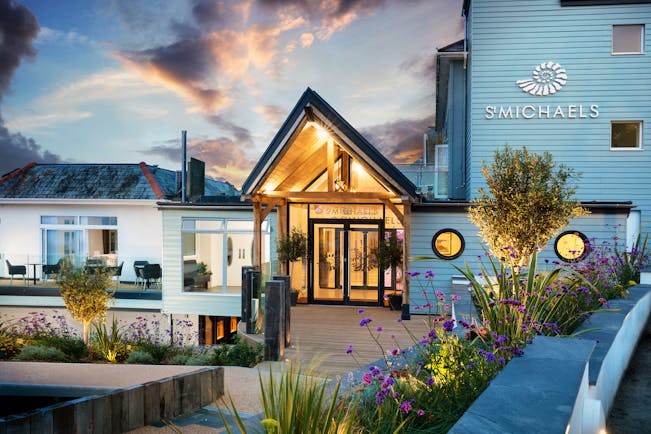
85	296
528	202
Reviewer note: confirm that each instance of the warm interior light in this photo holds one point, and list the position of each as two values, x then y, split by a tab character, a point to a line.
321	133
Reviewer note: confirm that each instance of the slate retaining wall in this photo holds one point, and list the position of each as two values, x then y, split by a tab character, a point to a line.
564	385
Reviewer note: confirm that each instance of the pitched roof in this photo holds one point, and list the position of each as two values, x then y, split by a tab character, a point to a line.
309	103
96	181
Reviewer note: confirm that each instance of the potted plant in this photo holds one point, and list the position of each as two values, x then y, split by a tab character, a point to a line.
290	249
388	254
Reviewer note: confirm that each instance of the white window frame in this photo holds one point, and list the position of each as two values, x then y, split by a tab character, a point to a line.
639	136
625	53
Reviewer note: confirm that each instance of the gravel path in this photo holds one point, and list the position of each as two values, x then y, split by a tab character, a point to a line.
631	412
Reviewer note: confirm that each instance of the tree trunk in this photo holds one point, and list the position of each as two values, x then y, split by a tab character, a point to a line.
86	331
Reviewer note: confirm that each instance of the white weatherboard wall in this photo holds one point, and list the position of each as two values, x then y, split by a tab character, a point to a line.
175	300
139	229
509	38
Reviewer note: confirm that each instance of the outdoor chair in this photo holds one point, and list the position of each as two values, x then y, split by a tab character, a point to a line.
137	269
115	273
15	270
51	269
151	273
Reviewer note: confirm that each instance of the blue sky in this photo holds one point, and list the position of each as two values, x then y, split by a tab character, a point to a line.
116	81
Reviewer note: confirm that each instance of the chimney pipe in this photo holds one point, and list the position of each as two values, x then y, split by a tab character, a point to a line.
184	168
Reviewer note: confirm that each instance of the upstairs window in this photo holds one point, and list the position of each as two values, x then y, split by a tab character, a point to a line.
628	39
626	135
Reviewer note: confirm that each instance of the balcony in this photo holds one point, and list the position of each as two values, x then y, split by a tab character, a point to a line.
431	180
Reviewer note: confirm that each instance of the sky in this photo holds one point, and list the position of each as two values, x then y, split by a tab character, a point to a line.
116	81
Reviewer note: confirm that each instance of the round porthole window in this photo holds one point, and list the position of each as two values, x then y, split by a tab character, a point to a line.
448	244
572	246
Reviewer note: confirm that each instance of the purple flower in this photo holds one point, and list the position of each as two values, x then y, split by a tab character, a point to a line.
360	310
420	412
490	356
365	321
378	329
405	407
448	325
399	319
432	334
501	361
455	297
394	352
367	378
387	382
429	381
429	274
349	349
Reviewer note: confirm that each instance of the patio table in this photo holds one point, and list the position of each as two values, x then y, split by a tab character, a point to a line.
34	265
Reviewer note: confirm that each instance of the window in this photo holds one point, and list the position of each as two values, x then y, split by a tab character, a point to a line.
626	135
448	244
572	246
79	237
208	249
628	39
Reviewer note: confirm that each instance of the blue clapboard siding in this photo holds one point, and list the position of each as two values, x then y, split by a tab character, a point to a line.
509	38
599	226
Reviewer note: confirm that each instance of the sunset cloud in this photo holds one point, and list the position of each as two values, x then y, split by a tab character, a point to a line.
272	114
400	141
41	121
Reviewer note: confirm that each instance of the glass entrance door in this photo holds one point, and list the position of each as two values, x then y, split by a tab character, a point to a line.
363	269
345	268
329	262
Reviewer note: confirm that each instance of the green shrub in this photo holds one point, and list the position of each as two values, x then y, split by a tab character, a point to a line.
205	359
159	352
73	347
37	353
238	354
179	359
9	346
110	346
141	358
297	402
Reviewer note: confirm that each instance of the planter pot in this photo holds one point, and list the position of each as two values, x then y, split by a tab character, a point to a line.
293	297
395	301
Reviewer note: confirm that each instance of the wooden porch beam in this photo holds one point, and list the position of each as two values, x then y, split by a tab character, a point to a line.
325	196
270	205
330	151
395	211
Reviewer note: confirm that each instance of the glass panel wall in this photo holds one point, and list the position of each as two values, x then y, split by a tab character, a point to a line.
215	250
75	239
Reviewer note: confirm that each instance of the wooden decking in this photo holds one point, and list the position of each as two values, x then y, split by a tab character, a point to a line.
321	334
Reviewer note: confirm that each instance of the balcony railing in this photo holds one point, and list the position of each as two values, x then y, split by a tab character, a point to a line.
431	181
34	264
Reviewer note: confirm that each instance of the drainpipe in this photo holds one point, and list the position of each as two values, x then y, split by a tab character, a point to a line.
184	168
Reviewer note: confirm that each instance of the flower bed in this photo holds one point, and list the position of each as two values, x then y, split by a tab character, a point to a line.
429	387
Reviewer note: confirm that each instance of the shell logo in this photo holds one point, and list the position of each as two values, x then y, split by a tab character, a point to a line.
546	79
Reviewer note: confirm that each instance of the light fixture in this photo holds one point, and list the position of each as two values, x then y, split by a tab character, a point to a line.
321	133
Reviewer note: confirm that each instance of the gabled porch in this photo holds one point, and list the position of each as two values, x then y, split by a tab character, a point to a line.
325	180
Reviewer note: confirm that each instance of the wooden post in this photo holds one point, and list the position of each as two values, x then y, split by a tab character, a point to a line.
282	233
257	233
405	260
330	154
